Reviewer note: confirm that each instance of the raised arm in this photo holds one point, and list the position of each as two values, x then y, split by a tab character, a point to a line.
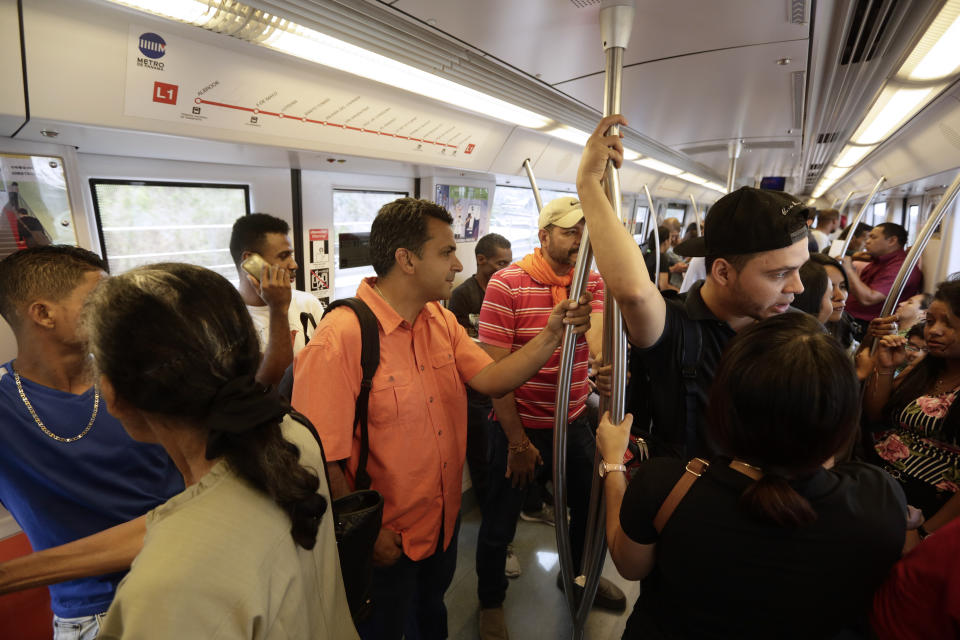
620	262
274	288
890	355
858	288
108	551
503	376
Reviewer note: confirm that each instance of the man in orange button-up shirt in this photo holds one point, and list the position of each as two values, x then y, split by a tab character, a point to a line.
418	408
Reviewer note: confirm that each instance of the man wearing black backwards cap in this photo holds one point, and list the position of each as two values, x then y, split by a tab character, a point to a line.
754	243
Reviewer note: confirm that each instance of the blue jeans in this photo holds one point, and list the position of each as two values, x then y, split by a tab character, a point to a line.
503	503
85	628
408	596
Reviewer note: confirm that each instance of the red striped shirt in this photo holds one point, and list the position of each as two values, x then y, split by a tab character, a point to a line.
515	309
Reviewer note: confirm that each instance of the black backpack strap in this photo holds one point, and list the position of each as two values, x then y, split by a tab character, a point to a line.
306	316
369	361
691	348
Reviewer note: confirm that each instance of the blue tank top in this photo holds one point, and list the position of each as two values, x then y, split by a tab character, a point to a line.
58	492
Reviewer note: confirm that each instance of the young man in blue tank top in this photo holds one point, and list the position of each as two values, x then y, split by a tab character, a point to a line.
67	467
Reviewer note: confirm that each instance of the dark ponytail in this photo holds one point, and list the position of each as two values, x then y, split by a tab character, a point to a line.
177	340
772	498
785	398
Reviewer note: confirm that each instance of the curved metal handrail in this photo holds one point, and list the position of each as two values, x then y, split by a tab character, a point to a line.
652	216
913	256
856	219
533	184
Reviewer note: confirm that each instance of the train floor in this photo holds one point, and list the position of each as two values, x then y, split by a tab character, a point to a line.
535	607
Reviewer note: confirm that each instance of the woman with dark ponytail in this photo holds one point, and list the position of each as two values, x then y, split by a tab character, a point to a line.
248	549
772	538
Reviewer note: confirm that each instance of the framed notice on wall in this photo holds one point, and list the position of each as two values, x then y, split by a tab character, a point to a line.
34	206
470	208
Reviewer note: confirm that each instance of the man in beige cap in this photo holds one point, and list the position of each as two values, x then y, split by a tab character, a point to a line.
516	306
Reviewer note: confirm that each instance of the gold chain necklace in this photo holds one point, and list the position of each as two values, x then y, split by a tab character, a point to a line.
36	418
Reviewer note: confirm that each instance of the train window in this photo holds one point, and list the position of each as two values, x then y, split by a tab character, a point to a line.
353	213
641	222
514	216
678	212
146	222
913	213
876	214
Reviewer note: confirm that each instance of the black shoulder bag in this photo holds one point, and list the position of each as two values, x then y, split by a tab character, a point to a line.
359	514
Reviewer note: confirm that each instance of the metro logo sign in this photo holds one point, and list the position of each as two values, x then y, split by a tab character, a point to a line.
470	148
165	93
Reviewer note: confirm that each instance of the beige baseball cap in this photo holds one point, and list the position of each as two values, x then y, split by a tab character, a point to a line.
561	212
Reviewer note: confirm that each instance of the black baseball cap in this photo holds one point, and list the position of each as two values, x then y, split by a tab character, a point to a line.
749	220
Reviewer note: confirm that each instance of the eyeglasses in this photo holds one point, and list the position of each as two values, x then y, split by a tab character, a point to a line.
913	349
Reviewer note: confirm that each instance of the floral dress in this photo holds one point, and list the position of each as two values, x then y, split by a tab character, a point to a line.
919	450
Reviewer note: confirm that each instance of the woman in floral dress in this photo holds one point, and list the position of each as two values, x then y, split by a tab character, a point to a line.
917	426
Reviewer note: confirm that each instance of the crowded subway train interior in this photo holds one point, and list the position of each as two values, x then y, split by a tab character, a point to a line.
143	129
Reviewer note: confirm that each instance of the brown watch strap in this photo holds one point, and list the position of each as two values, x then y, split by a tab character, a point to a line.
694	470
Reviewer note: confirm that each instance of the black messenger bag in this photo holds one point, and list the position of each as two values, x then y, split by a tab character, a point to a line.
358	515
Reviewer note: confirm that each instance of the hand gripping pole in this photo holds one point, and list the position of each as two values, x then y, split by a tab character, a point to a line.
856	219
913	256
616	22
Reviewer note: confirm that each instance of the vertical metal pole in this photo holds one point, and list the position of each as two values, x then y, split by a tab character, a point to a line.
696	216
913	256
533	184
859	216
734	147
656	235
616	22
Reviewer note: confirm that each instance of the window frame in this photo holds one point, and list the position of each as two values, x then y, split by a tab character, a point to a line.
93	182
335	237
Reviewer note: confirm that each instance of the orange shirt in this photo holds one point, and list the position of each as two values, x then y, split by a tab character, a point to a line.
417	415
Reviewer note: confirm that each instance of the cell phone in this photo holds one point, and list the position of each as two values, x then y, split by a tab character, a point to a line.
254	265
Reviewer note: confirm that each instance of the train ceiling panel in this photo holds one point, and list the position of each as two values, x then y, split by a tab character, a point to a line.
736	93
12	100
559	40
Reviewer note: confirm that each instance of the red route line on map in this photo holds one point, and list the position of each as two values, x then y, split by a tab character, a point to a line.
321	122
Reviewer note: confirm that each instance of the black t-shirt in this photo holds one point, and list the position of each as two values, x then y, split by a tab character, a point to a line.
467	299
721	573
650	258
661	366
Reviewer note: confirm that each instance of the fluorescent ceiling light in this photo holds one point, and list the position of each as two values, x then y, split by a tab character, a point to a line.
662	167
630	154
822	187
308	44
691	177
851	155
891	110
835	173
937	55
715	187
569	134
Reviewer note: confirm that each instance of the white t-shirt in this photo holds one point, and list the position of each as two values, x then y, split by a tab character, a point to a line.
300	302
823	240
695	272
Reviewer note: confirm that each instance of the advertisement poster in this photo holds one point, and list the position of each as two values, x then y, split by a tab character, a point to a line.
470	208
318	265
34	208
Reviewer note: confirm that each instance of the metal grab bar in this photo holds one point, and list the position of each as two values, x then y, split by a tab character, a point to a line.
856	219
533	184
652	216
913	256
696	216
616	22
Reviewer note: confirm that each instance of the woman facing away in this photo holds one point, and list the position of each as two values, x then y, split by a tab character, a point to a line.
915	421
248	549
816	299
774	539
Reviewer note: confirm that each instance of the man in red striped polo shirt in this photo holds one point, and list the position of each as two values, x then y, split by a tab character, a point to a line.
516	306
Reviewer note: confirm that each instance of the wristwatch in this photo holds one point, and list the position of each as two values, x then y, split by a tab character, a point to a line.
606	467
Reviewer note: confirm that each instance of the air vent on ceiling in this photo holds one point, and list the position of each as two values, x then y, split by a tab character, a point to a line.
825	138
797	82
583	4
870	20
797	11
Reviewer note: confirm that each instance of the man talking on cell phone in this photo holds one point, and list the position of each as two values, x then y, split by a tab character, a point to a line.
283	316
